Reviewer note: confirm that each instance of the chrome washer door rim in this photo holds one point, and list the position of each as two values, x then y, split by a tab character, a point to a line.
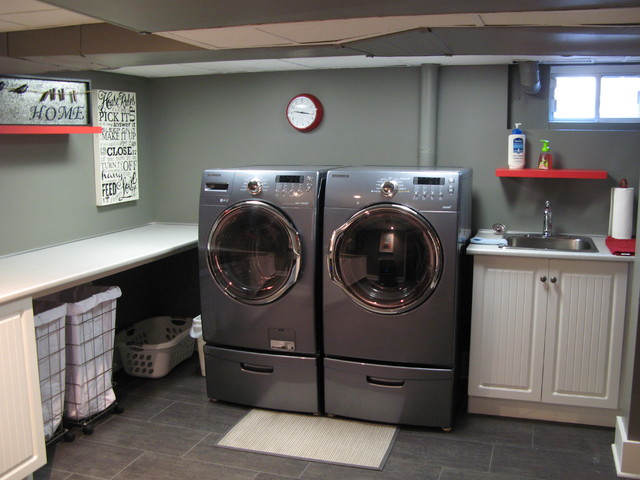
227	281
369	294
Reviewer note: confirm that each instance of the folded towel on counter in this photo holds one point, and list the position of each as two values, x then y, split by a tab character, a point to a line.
621	246
489	241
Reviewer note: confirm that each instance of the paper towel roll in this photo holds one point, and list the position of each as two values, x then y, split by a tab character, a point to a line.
621	214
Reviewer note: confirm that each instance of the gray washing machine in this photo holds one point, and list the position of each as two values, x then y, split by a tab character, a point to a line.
393	240
259	281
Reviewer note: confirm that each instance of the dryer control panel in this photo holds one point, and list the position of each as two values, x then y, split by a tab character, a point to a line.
433	192
423	189
297	188
289	189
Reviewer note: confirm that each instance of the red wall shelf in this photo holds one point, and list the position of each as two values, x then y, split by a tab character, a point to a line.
553	173
48	129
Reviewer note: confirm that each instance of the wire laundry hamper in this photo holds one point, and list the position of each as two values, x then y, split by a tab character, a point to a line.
90	322
89	340
49	320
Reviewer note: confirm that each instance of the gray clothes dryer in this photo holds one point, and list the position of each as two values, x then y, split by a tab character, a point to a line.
258	285
393	239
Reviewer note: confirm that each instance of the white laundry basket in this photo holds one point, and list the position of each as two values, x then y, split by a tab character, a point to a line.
49	319
151	348
90	327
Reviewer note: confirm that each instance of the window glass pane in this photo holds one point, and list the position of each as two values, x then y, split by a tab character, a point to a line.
619	97
575	98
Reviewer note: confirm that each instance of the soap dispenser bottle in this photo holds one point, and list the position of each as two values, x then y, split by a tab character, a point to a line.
516	148
545	160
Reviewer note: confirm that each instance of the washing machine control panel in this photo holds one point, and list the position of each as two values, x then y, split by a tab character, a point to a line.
439	191
293	185
284	189
434	188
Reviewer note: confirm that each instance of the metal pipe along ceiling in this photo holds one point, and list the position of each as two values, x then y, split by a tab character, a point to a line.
428	115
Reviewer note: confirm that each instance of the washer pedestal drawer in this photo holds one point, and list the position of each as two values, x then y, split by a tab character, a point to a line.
389	394
279	382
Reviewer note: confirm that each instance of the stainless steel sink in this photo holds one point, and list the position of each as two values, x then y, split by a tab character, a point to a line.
554	242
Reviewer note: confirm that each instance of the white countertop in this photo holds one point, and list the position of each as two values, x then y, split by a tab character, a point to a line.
603	253
43	271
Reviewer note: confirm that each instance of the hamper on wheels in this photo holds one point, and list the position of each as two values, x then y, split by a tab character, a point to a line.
90	328
49	319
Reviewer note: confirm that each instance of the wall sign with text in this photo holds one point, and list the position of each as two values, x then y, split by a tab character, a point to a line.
116	148
42	101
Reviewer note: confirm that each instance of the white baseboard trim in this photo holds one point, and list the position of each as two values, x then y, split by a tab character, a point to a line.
542	411
626	453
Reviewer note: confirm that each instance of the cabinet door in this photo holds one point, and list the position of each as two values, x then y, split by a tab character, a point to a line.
585	326
21	430
507	328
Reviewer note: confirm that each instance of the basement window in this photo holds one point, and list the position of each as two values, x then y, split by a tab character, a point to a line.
600	94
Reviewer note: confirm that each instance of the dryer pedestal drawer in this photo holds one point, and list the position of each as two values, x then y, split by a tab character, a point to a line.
390	394
278	382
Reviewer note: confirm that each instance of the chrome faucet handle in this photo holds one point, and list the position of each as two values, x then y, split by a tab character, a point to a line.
499	228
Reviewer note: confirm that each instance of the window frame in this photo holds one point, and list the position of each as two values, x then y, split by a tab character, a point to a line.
597	71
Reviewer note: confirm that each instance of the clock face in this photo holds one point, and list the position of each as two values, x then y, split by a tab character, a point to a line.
304	112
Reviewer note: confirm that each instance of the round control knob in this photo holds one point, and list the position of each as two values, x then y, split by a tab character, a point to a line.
254	186
389	188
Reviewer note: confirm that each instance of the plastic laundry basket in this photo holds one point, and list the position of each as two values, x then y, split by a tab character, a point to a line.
49	321
152	347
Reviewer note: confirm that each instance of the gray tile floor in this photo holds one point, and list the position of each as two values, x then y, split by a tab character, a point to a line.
168	430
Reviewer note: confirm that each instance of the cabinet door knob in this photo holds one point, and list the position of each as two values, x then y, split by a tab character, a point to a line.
543	279
553	279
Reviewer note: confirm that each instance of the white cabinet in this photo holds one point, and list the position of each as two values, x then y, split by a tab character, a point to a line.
22	446
547	331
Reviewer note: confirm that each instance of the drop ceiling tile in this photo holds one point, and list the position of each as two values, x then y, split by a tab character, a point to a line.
229	37
359	61
603	16
609	41
419	42
156	71
6	26
15	6
247	66
15	66
49	18
69	62
340	30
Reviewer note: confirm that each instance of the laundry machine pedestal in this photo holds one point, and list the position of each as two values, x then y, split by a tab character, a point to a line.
279	382
389	393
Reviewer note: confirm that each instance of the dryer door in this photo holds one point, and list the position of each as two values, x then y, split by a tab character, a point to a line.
387	258
254	252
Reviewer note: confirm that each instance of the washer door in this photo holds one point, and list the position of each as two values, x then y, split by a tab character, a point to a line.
387	258
254	252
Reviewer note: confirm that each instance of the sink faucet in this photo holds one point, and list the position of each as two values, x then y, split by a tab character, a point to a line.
547	224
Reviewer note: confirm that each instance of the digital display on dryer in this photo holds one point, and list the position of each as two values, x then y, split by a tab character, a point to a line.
428	181
289	179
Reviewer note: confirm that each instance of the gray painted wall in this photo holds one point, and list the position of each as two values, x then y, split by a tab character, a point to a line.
187	124
47	192
372	117
220	121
